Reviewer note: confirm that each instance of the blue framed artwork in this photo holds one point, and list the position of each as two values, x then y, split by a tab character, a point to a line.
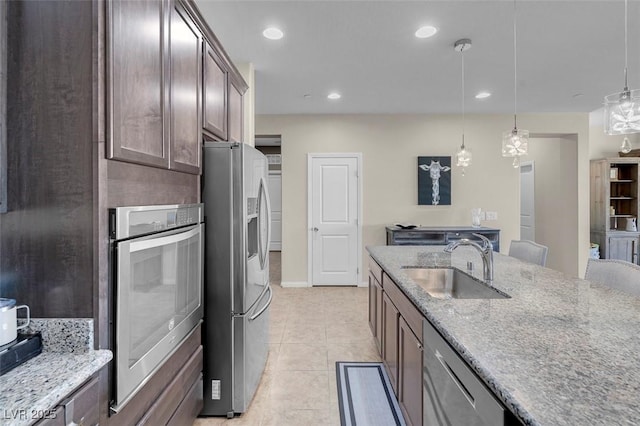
434	181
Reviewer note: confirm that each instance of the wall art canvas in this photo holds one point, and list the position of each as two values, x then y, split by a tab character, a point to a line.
434	181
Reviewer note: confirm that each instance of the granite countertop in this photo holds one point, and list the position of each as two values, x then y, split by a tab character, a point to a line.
560	351
30	391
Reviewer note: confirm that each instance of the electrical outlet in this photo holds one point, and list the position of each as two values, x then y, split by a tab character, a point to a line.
492	215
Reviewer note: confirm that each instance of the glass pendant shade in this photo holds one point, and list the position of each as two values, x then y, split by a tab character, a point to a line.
463	157
622	113
515	143
625	148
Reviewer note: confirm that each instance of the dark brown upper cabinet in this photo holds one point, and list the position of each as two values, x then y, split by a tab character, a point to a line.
137	44
215	94
236	93
186	70
165	91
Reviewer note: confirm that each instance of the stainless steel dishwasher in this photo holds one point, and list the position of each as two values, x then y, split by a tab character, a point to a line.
452	394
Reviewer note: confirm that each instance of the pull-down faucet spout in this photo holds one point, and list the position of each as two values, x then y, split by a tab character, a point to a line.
486	252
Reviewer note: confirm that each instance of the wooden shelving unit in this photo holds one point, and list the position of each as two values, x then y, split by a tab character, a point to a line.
614	199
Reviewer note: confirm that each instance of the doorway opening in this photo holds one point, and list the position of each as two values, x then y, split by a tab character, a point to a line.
552	198
271	147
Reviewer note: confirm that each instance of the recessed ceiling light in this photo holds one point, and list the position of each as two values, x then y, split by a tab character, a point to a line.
578	95
273	33
306	95
483	95
334	95
426	32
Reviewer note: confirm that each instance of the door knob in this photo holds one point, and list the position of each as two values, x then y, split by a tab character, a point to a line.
314	229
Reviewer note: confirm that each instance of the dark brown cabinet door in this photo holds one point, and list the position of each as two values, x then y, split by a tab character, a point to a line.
235	113
372	306
215	94
410	374
375	310
390	318
379	324
137	103
186	60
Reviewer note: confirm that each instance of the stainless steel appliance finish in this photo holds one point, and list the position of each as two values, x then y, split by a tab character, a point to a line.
158	297
237	290
452	393
444	283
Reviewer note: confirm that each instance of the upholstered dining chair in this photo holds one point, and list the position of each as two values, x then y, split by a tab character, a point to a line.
529	251
618	274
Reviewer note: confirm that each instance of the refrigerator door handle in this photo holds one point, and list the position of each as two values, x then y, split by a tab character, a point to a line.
264	308
266	245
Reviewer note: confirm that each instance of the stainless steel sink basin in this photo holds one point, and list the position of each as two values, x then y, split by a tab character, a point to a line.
444	283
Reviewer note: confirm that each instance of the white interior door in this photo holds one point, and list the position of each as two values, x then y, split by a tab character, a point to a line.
334	204
275	194
527	201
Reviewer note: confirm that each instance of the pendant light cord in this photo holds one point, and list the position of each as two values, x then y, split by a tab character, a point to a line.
515	70
626	86
463	117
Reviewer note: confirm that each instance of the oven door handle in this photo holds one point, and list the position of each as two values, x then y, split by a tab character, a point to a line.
264	308
163	241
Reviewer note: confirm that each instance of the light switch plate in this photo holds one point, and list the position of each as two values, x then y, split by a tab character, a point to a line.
492	215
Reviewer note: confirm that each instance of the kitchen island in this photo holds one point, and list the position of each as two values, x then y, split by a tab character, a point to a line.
559	351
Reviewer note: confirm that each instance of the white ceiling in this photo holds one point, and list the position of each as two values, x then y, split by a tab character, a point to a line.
367	51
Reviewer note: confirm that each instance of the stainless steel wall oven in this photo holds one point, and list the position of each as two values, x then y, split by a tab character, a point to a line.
157	273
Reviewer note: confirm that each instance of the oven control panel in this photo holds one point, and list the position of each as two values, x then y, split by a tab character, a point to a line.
126	222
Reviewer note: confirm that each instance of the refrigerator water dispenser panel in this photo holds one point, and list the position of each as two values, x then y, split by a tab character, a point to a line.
252	238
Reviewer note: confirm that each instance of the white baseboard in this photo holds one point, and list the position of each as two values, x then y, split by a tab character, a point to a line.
294	284
363	284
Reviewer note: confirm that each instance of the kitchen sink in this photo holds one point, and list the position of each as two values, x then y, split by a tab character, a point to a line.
445	283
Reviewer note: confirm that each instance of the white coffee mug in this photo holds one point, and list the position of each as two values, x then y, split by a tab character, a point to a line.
9	320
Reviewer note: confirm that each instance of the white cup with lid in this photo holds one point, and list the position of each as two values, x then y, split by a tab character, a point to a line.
9	320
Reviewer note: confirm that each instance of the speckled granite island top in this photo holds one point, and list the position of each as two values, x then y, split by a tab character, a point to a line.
31	390
560	351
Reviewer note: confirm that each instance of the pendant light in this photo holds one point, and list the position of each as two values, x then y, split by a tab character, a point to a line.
515	143
463	156
622	109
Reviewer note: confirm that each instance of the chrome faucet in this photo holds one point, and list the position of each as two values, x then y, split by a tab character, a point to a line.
486	252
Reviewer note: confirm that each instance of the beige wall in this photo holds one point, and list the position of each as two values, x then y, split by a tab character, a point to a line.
247	72
556	199
390	145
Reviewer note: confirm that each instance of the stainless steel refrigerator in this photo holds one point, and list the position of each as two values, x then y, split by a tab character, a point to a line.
237	293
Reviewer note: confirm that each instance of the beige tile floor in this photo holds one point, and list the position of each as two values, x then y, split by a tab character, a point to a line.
311	329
